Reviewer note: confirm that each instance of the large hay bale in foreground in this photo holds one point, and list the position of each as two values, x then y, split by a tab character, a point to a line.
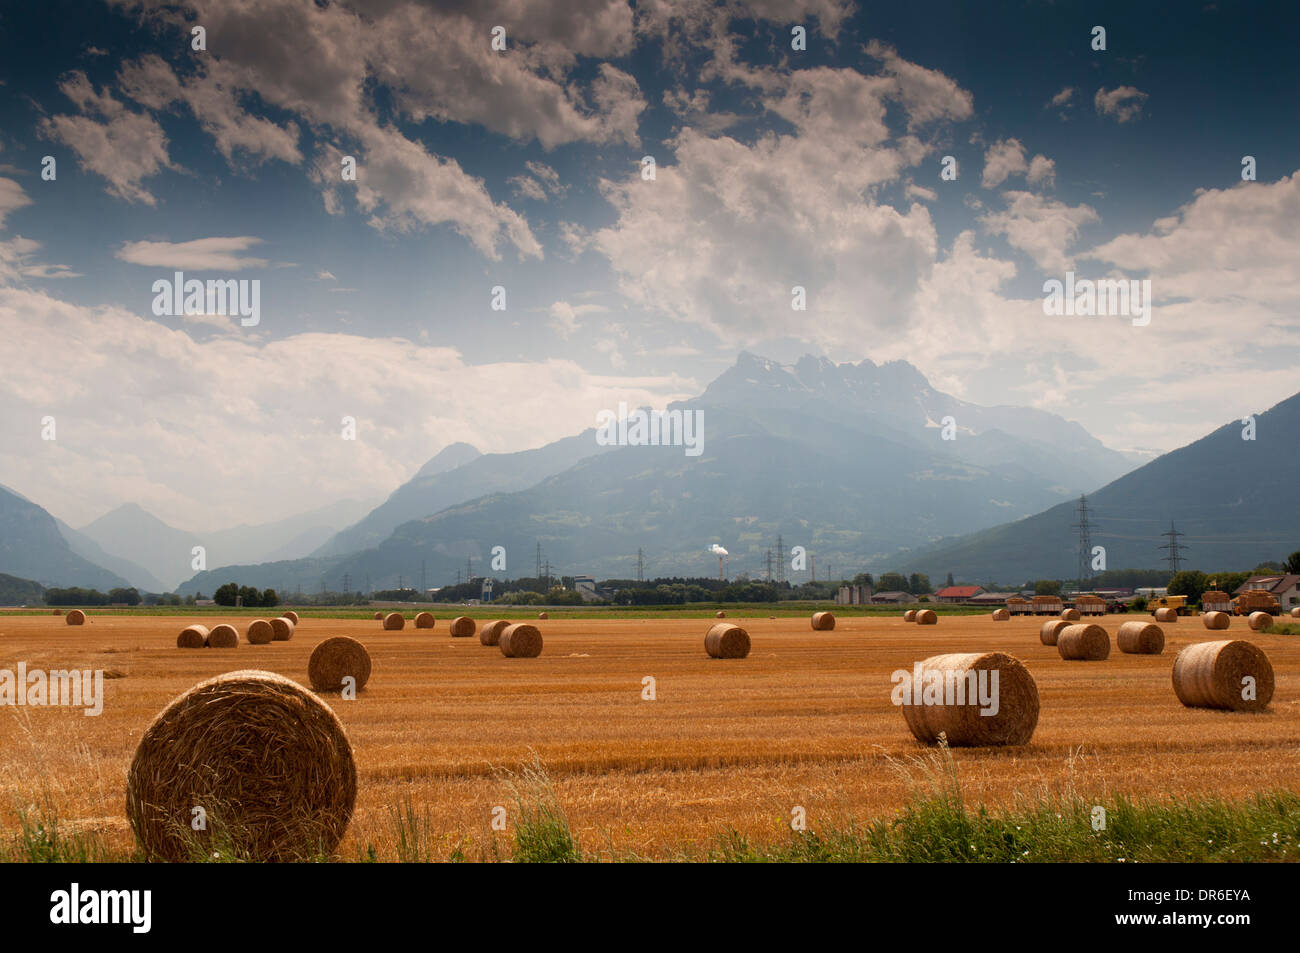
927	617
259	632
462	627
335	659
75	617
1216	620
1083	642
424	620
394	622
490	634
823	621
1001	615
520	640
1051	630
267	761
1166	614
281	629
909	615
726	640
1260	621
291	616
1071	615
192	637
1140	638
954	677
1213	675
223	637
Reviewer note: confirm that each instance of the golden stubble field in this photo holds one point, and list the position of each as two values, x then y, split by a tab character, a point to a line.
805	720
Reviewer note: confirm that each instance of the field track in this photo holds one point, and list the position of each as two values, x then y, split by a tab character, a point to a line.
805	720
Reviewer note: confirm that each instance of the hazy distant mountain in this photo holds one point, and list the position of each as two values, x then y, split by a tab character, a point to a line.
132	533
1231	497
449	458
84	546
31	547
19	592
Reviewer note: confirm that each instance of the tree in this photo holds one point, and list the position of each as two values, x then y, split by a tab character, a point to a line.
130	597
249	596
226	595
1047	587
864	579
1190	583
270	599
893	582
1293	563
918	583
949	582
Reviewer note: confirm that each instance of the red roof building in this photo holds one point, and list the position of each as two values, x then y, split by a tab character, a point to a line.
958	593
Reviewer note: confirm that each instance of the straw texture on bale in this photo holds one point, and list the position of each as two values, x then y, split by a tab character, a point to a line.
335	659
1001	615
1166	614
1083	642
1260	621
1295	612
725	640
927	617
1051	630
909	615
76	617
520	640
424	620
268	762
259	632
192	637
281	629
962	724
394	622
1071	615
378	616
719	614
823	621
542	615
1140	638
223	637
490	634
462	627
291	616
1216	620
1209	675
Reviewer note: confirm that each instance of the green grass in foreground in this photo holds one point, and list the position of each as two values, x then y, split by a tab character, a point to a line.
935	826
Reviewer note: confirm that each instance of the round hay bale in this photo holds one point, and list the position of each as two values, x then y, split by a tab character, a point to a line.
823	621
1211	675
424	620
490	634
927	617
192	637
963	724
291	616
281	629
223	637
394	622
57	612
1165	614
725	640
1001	615
259	632
268	762
1083	642
542	615
520	640
719	614
1295	613
75	617
1260	621
1071	615
378	616
335	659
462	627
1216	620
1051	630
1140	638
909	615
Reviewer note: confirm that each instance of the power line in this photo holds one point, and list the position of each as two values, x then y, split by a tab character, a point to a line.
640	566
1085	542
1173	547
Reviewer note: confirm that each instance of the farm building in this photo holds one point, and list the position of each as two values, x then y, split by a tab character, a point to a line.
992	598
853	595
1284	588
891	597
958	593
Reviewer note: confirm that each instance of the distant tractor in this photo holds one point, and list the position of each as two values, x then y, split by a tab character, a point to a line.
1088	604
1177	603
1257	600
1048	605
1213	600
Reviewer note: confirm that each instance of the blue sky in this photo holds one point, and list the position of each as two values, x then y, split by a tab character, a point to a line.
520	168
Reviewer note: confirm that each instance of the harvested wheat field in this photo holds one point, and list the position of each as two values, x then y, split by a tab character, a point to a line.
803	720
